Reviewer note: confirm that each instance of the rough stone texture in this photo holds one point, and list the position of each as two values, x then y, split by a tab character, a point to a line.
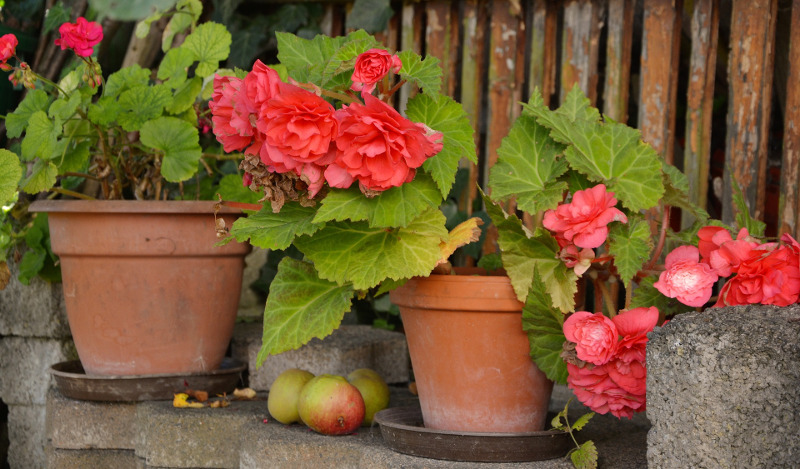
35	310
26	428
722	389
103	425
350	347
172	437
24	365
58	458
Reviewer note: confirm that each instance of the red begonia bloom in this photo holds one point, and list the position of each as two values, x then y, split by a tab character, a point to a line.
371	67
379	147
768	277
8	47
223	114
80	36
595	336
584	221
686	278
633	325
721	251
579	261
595	388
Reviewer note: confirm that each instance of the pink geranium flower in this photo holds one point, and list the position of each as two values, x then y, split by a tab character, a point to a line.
686	278
8	47
80	36
371	67
595	336
584	221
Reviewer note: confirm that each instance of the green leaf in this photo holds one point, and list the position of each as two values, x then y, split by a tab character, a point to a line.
141	105
371	15
585	457
126	78
529	163
582	421
743	218
345	204
576	107
31	263
543	324
10	174
231	188
179	141
491	261
40	137
42	178
630	244
74	159
187	13
269	230
55	16
211	44
143	27
344	58
174	66
300	306
425	73
354	252
126	10
557	422
63	108
676	192
185	96
104	111
306	59
444	115
36	100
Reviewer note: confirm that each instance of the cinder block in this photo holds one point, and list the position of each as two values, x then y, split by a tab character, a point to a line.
58	458
24	365
35	310
26	433
187	438
103	425
348	348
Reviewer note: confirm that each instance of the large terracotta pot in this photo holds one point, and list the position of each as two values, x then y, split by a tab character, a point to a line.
470	356
146	289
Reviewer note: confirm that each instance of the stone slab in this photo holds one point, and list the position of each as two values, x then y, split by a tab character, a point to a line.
350	347
103	425
24	365
35	310
722	389
186	438
27	440
58	458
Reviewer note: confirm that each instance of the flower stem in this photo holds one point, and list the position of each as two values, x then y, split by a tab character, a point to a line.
70	193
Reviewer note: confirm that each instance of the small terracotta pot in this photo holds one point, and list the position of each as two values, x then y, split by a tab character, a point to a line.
145	288
470	356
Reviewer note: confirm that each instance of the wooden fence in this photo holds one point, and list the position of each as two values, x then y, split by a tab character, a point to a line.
712	85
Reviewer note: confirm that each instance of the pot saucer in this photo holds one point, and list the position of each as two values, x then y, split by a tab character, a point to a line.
404	432
74	383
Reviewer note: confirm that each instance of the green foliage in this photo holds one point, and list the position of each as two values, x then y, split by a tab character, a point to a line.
743	219
210	43
583	456
10	174
543	324
646	295
270	230
35	101
127	10
178	140
425	73
631	245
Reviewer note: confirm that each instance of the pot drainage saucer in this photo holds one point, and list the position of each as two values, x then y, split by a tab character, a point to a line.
404	432
74	383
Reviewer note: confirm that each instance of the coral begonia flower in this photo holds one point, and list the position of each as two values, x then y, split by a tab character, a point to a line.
8	47
80	36
595	336
595	388
771	279
584	220
721	251
223	114
371	67
634	325
686	278
579	261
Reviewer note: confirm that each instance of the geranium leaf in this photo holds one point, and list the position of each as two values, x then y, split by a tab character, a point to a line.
42	178
185	95
104	111
10	174
630	244
175	64
179	141
354	252
444	115
542	322
528	166
211	43
300	306
425	73
142	104
40	137
74	158
276	231
187	12
36	100
125	79
64	108
585	457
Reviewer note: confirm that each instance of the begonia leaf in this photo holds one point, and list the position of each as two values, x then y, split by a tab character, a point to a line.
344	58
676	192
10	174
425	73
210	42
301	306
306	59
276	231
630	244
543	324
179	141
464	233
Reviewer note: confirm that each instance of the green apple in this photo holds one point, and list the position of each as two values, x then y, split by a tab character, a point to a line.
330	405
373	389
284	394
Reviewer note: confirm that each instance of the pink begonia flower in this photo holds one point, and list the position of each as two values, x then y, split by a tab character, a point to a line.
338	177
312	174
371	67
634	325
222	105
579	261
721	252
8	47
80	36
686	278
710	239
584	221
595	388
630	376
767	277
595	336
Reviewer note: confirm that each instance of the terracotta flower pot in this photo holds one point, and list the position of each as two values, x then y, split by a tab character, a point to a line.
470	356
146	290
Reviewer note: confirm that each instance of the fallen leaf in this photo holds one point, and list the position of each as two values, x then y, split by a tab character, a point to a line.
219	403
180	401
200	396
412	387
245	393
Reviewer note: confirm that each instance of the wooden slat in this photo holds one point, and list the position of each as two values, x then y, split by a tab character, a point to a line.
749	105
700	101
441	40
659	74
542	66
790	169
618	59
580	46
411	29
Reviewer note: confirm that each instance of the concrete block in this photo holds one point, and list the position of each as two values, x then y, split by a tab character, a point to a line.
59	458
722	389
27	440
208	438
350	347
103	425
24	365
35	310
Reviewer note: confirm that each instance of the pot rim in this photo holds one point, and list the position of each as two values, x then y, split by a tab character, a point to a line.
129	206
